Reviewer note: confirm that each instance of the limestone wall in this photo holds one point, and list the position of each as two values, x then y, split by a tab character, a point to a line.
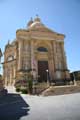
60	90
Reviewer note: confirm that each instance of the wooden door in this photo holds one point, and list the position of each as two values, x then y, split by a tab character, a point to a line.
42	67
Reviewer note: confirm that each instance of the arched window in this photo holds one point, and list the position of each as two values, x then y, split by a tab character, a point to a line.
10	58
42	49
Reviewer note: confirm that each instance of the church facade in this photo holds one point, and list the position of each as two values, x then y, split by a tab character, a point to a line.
39	49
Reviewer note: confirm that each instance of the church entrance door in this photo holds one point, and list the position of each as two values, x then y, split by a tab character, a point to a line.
42	67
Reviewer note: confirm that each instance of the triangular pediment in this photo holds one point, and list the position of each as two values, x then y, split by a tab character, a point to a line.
40	27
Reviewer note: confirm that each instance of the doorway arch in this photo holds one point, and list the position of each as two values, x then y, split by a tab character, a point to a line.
42	64
42	50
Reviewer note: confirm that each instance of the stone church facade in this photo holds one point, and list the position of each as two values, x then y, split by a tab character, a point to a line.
39	49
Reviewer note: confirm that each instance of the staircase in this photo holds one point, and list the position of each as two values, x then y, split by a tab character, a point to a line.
10	89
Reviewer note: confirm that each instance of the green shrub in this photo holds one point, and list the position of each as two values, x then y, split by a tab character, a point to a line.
17	89
24	91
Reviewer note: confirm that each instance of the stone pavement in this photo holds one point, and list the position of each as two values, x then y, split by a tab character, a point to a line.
62	107
28	107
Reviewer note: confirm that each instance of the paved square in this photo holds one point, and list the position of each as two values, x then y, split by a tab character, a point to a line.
64	107
27	107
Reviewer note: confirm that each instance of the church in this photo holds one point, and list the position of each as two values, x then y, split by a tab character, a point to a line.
37	49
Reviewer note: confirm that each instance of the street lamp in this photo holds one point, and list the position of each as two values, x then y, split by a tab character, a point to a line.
47	76
74	79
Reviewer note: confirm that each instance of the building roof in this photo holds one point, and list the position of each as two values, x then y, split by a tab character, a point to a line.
37	30
37	25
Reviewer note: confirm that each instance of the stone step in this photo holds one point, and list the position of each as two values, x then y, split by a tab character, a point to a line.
60	90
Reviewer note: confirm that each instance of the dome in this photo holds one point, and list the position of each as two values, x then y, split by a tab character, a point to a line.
37	19
36	23
30	22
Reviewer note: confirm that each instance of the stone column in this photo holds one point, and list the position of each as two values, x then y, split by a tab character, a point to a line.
32	55
20	55
51	62
33	60
57	63
66	72
63	56
27	54
10	78
5	75
55	58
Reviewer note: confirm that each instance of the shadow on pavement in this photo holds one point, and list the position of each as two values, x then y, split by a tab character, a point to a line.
13	107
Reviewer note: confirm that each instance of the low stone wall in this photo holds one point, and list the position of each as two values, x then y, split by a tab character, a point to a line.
78	83
1	85
60	90
39	88
1	88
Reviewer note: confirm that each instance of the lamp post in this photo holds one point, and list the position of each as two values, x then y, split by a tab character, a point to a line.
74	79
47	76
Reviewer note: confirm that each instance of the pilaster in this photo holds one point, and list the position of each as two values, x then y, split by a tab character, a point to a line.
20	55
33	60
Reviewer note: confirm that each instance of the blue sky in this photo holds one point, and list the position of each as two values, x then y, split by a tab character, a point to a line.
62	16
